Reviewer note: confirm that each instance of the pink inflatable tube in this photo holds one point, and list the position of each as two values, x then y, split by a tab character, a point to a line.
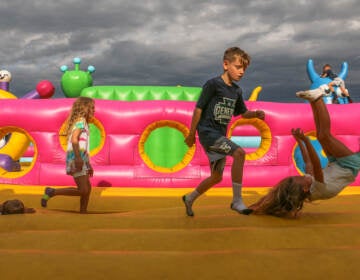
118	162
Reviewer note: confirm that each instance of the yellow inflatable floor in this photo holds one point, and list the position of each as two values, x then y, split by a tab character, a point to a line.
144	234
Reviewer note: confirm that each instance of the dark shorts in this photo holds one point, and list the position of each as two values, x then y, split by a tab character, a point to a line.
217	153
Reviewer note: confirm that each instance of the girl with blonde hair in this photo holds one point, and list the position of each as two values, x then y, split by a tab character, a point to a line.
77	154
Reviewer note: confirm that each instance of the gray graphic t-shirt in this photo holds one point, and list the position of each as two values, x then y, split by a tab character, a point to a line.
219	102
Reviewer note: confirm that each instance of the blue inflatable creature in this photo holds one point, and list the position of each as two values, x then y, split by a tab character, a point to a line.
317	81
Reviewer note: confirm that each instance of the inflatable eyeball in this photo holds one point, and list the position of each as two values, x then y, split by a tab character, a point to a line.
5	76
2	142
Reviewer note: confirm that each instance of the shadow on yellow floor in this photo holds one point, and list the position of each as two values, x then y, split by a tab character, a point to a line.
137	234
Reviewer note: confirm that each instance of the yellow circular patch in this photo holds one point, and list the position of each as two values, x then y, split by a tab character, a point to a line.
265	134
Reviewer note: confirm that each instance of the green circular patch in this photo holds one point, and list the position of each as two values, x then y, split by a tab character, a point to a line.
165	147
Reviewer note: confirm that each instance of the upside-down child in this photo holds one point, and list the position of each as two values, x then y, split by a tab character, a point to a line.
287	197
77	155
221	99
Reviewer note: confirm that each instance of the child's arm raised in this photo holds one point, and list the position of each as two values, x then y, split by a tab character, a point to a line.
309	168
311	159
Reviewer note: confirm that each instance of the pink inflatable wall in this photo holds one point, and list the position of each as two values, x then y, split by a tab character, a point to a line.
119	164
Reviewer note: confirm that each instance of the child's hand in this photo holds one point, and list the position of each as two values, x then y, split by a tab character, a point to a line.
91	172
190	140
260	114
298	133
79	164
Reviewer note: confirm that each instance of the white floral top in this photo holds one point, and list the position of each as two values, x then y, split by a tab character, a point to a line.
84	147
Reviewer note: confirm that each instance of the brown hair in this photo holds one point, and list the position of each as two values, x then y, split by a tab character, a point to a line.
325	66
286	199
80	109
232	53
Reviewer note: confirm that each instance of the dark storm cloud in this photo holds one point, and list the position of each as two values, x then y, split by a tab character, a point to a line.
179	42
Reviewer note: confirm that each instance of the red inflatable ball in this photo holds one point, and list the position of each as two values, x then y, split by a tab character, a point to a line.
45	89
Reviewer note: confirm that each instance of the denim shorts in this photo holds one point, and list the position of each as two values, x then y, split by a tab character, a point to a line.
351	162
84	171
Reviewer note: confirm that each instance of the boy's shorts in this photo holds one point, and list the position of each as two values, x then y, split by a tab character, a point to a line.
217	153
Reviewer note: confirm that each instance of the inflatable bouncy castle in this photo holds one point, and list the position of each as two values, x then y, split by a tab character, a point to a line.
137	138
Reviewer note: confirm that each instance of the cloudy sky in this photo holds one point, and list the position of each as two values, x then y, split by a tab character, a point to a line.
180	42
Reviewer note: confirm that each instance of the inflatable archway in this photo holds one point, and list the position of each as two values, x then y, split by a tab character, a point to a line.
118	160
